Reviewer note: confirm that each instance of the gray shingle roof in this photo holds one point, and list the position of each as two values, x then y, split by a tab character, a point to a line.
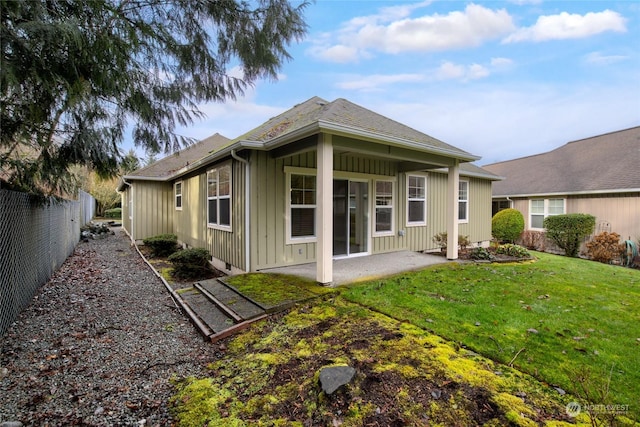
597	164
344	113
174	162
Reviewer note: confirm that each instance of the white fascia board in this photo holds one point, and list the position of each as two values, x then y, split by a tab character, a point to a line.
487	176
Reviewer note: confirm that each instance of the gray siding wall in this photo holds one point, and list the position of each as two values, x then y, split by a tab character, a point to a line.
229	246
152	209
268	208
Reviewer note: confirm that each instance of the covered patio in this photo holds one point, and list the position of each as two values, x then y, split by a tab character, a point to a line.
364	268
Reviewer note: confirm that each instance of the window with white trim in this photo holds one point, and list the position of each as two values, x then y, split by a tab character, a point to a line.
302	206
219	197
384	207
463	201
177	191
539	209
416	200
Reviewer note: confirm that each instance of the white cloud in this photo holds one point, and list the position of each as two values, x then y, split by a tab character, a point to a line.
598	58
376	81
393	31
501	62
569	26
337	53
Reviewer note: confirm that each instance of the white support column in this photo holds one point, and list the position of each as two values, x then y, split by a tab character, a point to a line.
324	203
452	211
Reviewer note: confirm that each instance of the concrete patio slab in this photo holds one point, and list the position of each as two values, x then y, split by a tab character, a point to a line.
364	268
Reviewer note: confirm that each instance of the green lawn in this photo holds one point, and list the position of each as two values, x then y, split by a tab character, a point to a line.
569	322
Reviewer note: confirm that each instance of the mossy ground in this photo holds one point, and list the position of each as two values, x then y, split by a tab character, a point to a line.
268	375
271	290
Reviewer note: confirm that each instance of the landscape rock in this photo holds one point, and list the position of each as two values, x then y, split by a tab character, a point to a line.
334	377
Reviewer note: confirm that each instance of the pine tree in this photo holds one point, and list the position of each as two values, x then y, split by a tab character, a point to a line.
75	75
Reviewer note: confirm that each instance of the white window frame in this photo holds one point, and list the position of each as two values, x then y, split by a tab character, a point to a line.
422	199
465	220
546	211
178	195
374	223
290	240
218	197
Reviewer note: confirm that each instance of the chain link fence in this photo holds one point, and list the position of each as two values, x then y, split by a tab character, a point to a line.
35	239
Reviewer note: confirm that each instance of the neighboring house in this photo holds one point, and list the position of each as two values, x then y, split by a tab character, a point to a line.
598	176
321	180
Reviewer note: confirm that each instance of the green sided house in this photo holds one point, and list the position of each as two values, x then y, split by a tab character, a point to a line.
320	181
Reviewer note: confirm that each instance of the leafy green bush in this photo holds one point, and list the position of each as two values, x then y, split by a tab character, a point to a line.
513	250
568	230
162	244
115	213
190	263
507	225
440	240
605	247
480	253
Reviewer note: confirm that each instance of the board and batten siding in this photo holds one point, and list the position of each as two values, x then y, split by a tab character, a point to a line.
191	221
125	199
229	246
152	209
478	228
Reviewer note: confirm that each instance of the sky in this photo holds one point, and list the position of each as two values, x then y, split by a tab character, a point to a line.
499	79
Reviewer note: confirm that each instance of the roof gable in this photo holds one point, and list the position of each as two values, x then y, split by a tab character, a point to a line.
601	163
347	115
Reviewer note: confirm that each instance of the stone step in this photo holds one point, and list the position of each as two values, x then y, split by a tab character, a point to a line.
215	318
244	308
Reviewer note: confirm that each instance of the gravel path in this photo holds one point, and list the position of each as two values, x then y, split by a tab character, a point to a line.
99	345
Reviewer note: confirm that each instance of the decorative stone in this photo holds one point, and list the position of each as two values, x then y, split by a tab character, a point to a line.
334	377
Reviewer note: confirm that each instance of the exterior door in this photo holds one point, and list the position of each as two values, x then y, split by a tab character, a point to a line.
350	217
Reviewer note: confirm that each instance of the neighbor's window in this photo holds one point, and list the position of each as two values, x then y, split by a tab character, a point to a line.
177	189
416	200
219	196
539	209
302	205
384	207
463	201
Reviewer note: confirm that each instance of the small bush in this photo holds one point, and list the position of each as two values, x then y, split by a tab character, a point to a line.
440	240
481	254
605	247
162	244
568	230
507	225
115	213
513	250
190	263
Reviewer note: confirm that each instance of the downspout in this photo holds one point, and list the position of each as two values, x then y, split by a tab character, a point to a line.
247	219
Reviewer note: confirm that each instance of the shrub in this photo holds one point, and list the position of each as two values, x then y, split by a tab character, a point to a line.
115	213
513	250
440	240
481	254
190	263
568	230
507	225
605	247
162	244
